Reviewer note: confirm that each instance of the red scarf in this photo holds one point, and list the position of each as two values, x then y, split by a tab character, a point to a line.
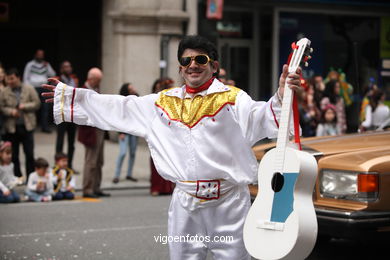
205	86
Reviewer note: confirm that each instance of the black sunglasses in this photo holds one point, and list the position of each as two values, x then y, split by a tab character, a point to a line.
201	59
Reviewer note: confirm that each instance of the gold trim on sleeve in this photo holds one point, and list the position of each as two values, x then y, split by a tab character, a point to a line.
62	103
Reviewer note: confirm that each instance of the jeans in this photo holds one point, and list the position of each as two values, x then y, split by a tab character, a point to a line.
129	141
43	113
12	197
35	196
63	195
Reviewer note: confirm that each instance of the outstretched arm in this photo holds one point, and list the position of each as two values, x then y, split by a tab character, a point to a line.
129	114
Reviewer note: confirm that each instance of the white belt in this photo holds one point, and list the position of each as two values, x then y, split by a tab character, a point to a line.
206	189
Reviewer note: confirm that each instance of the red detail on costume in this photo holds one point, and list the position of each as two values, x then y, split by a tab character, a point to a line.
205	86
296	121
294	104
293	46
72	105
289	58
273	113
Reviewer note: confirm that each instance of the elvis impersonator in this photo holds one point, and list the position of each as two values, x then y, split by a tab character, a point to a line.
200	137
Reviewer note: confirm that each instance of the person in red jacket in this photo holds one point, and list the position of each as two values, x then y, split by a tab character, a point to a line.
93	140
158	185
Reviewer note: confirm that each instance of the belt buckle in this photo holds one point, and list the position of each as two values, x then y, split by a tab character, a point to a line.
208	189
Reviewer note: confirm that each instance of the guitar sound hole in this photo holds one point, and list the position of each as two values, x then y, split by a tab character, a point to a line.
277	182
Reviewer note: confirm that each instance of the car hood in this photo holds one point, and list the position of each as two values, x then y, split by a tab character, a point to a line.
348	143
368	160
331	145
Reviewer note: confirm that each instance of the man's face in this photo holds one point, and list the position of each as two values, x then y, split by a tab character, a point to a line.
131	89
13	81
94	81
319	83
66	68
222	76
40	55
194	74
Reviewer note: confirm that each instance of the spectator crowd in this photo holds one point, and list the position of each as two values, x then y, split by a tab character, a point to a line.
23	111
323	106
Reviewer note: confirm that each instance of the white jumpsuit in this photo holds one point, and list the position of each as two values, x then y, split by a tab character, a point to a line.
202	142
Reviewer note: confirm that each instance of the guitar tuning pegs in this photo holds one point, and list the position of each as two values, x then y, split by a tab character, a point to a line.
306	58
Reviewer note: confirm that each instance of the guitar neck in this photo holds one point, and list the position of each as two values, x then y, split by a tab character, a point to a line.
300	50
284	128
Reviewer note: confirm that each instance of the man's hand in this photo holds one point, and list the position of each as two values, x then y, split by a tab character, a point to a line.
293	80
15	112
41	186
6	192
51	88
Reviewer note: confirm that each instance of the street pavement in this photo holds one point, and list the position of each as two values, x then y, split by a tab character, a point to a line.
123	226
128	225
45	147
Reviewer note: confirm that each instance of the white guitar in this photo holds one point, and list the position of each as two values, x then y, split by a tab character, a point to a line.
282	224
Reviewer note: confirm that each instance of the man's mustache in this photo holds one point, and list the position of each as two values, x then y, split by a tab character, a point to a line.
194	70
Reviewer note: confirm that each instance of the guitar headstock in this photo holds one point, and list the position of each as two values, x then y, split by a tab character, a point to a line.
300	54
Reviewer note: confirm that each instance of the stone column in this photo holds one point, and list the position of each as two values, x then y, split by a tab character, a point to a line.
132	33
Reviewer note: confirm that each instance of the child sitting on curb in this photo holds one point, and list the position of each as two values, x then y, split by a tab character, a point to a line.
63	178
7	178
40	184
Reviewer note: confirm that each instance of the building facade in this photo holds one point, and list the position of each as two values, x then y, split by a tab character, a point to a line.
140	39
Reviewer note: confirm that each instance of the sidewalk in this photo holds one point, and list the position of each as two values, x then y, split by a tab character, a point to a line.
45	147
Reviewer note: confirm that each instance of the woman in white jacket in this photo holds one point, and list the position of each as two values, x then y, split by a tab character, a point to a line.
376	111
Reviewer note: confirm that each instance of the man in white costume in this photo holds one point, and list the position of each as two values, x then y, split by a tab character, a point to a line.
200	137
